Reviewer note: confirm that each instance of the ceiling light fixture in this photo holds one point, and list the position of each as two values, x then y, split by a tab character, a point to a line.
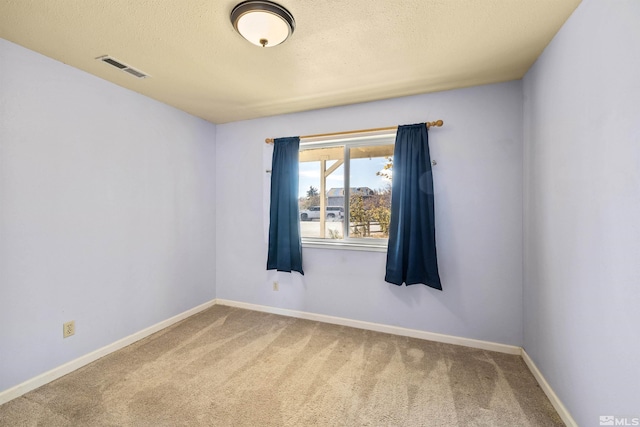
263	23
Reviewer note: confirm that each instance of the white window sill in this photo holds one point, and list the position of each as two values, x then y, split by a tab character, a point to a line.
349	245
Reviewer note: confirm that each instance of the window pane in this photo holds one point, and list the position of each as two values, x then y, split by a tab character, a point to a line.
314	165
324	199
370	191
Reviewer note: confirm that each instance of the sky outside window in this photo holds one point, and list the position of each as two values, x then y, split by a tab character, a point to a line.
363	174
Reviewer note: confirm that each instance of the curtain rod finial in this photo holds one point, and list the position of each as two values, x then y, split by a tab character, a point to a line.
437	123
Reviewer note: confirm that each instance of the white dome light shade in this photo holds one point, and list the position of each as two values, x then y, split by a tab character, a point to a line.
260	26
262	23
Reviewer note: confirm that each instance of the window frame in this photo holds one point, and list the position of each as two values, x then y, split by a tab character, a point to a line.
347	242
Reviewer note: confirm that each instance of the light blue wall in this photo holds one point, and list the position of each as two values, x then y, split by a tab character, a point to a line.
478	185
107	213
582	211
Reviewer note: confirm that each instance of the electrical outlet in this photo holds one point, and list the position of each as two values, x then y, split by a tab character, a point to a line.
68	329
276	286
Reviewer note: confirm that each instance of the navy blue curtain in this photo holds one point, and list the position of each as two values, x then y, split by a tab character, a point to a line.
285	246
411	255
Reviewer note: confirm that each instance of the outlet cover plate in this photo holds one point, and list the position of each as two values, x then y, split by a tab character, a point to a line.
68	329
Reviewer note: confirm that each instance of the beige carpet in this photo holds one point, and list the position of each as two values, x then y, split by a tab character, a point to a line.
232	367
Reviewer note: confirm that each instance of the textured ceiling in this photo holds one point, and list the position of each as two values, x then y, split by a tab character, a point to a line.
342	52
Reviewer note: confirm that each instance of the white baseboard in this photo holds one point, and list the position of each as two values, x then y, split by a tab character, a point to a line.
378	327
81	361
544	385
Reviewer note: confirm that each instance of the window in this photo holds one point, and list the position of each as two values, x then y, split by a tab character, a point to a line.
345	192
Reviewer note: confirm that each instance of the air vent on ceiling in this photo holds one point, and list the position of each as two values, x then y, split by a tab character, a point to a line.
122	66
